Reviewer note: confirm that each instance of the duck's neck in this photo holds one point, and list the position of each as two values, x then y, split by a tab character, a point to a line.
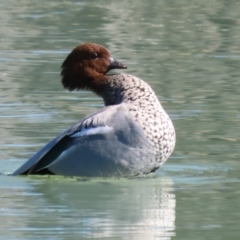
126	88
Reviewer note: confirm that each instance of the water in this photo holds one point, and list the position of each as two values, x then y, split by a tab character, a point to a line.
188	51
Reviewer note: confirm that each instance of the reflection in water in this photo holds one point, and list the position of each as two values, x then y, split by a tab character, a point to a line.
136	208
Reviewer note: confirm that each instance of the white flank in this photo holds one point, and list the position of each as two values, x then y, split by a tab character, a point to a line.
92	131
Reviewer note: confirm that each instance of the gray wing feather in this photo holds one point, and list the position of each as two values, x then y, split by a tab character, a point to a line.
99	118
116	116
34	160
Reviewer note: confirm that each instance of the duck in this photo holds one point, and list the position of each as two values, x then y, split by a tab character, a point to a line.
131	135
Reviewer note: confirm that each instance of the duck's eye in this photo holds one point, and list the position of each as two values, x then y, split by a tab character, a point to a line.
95	55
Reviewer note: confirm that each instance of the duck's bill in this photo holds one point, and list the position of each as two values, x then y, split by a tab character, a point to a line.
114	64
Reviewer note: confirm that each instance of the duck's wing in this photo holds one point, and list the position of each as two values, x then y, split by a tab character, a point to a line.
29	166
109	121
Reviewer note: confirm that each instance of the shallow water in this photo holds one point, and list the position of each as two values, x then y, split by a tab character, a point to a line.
189	52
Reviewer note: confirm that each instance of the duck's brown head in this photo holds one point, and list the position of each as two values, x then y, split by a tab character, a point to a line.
86	67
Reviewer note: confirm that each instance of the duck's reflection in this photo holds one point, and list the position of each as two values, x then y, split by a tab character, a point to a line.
132	209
